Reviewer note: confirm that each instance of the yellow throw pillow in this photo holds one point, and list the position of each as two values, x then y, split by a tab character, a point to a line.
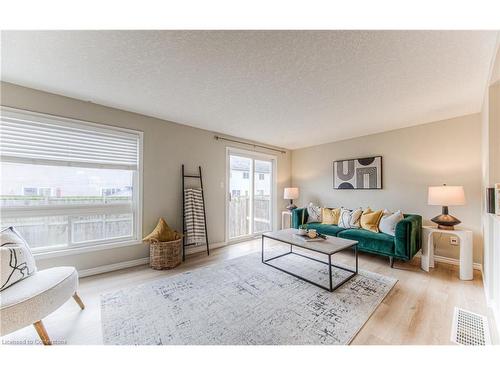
330	215
162	233
370	220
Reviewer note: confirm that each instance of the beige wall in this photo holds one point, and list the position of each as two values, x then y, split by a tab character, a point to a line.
413	158
167	145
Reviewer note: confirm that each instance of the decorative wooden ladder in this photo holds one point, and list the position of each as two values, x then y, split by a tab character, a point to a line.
184	237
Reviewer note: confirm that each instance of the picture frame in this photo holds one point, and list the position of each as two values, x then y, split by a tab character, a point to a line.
358	174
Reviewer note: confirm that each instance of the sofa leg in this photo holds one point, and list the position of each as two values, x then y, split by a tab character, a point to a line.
78	300
40	329
391	262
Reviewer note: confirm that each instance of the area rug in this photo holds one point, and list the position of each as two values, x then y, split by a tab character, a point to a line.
243	302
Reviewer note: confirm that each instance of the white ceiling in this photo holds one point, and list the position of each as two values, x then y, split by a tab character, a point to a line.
287	88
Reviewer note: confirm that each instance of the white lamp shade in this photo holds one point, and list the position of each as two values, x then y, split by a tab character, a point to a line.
291	193
446	196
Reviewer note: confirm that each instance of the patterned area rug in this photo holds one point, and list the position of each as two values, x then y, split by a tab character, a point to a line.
242	301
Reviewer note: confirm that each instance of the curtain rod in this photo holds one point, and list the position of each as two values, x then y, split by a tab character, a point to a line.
249	144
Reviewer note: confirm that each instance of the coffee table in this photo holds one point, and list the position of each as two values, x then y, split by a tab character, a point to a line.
328	247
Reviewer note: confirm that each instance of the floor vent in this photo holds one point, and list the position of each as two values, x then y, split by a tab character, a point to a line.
470	328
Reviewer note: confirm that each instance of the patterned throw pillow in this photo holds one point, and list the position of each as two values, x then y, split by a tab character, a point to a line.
331	216
16	259
389	221
350	218
313	213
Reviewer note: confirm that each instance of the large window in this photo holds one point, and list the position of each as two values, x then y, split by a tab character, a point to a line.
66	184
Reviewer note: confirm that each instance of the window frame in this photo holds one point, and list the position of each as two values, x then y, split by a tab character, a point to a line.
134	207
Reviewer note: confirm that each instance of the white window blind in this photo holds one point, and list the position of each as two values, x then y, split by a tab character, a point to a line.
49	140
69	185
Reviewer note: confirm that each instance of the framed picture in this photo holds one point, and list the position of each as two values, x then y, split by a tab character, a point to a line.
362	173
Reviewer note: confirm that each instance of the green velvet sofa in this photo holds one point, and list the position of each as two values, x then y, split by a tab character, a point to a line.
403	246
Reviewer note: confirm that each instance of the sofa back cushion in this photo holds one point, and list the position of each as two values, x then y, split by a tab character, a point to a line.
350	218
313	213
370	220
389	221
16	259
330	216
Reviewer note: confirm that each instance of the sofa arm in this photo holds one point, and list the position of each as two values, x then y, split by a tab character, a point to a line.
299	217
408	239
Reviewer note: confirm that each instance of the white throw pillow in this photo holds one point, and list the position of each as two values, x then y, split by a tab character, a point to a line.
313	213
389	221
350	219
16	259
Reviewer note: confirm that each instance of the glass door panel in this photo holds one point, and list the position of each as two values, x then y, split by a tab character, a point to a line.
240	195
262	204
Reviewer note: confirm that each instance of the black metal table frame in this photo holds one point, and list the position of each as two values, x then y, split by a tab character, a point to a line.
329	263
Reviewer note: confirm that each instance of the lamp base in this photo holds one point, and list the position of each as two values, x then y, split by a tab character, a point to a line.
291	206
446	222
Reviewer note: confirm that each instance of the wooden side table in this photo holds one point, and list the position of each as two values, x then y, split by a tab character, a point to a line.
286	219
465	237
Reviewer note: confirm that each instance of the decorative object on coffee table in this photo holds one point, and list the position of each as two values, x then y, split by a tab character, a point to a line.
446	196
291	193
363	173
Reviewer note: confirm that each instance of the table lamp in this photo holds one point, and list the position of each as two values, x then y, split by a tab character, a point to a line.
291	193
446	196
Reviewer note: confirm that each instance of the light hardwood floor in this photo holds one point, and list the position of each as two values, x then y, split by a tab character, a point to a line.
418	310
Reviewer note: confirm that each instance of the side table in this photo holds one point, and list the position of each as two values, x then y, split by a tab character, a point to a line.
286	219
465	237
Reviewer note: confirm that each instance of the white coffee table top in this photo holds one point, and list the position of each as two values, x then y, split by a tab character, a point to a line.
329	246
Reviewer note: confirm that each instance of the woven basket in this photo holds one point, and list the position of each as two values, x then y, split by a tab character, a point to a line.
165	255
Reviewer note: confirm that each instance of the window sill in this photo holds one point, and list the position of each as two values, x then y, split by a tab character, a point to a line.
87	249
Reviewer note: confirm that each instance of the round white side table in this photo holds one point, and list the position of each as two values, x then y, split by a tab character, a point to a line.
465	237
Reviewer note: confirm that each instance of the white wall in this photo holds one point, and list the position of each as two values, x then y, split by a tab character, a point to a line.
167	145
490	124
446	151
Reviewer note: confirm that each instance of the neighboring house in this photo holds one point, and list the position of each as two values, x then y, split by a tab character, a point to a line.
240	182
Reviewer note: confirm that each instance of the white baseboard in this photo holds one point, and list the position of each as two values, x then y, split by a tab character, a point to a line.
456	262
113	267
202	248
141	261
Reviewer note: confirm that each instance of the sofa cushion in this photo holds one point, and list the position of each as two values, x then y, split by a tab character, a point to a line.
350	218
389	221
313	213
370	220
330	216
379	243
327	229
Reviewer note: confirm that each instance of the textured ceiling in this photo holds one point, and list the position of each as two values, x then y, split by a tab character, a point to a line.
286	88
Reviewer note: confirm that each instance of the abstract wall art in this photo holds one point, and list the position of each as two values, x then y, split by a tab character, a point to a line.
362	173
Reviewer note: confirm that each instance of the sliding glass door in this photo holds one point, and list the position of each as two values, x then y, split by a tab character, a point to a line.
250	194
